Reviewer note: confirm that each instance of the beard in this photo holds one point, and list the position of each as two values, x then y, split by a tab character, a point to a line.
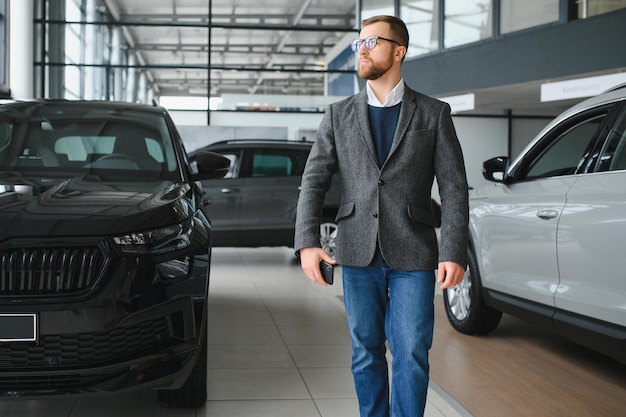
375	70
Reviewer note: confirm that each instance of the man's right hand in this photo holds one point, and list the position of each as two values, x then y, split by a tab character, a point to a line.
310	259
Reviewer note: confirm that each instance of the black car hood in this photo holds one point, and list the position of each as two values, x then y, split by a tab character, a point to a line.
85	206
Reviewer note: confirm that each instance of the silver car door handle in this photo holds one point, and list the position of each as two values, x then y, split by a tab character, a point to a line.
227	190
547	214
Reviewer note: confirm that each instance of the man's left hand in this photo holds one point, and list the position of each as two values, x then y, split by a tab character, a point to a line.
449	274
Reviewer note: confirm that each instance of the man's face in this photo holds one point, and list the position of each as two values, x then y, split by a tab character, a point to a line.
374	63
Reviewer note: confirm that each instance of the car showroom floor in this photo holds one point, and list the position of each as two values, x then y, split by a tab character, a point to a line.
278	347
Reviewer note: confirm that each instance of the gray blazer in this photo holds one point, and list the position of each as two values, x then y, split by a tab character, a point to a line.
391	204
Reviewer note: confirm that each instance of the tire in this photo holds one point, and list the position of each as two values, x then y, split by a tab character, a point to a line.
328	236
465	305
194	392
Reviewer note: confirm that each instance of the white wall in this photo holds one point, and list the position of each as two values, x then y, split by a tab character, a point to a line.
195	137
294	123
481	139
523	131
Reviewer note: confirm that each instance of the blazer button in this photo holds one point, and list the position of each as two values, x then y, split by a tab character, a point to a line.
381	182
375	215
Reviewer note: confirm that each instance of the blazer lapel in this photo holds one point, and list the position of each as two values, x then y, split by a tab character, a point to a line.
362	122
406	115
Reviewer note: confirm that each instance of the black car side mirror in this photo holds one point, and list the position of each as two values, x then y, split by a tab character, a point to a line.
210	165
494	169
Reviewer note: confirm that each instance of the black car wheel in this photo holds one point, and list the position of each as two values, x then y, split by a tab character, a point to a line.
465	305
194	392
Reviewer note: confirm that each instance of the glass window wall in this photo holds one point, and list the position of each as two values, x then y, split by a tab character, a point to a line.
517	15
87	52
4	61
73	48
467	21
371	8
421	20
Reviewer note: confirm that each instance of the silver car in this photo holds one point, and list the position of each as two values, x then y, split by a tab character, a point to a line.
547	240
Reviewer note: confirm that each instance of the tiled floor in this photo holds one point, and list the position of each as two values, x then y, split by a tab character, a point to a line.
279	344
278	347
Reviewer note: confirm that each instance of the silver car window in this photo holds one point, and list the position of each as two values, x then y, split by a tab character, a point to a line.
563	155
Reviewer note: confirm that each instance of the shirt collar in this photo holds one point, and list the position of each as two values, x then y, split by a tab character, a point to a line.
394	97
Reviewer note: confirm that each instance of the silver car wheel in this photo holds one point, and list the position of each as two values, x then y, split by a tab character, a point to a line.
328	238
459	297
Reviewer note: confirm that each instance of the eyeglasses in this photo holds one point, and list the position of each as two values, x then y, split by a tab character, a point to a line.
370	42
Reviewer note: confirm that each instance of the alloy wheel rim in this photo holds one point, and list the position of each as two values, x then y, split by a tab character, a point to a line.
459	300
328	238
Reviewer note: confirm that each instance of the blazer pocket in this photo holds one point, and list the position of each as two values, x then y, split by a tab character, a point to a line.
345	210
418	131
421	214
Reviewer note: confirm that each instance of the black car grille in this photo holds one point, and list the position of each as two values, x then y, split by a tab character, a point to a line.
73	351
49	271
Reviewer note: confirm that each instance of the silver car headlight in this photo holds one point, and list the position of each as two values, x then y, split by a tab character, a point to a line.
157	241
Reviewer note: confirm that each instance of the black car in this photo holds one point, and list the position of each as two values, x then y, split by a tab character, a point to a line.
104	252
255	203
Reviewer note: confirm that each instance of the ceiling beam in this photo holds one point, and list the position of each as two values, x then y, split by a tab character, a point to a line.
283	41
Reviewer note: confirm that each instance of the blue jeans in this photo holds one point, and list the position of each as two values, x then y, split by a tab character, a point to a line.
397	306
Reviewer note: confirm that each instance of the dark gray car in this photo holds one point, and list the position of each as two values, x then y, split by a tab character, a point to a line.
255	203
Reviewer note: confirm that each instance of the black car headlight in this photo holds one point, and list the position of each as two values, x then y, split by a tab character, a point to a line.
157	241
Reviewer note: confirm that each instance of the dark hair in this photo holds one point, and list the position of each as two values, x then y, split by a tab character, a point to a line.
398	28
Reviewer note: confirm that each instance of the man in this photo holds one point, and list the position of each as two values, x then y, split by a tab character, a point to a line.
388	143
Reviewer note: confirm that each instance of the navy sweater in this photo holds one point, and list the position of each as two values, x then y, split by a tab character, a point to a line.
383	122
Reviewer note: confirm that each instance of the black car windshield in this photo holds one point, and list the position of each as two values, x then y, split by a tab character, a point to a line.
61	141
